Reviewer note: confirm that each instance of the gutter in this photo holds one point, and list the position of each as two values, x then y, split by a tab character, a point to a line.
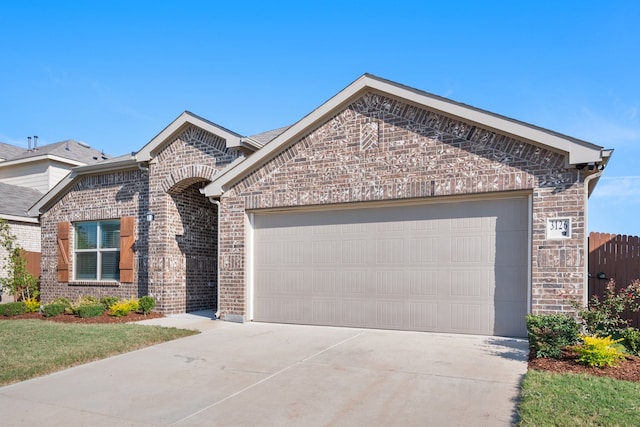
218	208
587	193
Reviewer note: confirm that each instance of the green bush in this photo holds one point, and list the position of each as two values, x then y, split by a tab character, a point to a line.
631	337
599	351
13	308
94	310
53	309
68	305
146	304
108	301
550	333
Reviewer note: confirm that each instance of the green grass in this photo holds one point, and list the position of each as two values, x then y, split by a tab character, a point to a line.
550	399
30	348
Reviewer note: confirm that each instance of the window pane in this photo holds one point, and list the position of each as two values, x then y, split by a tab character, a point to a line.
86	263
110	266
110	234
86	235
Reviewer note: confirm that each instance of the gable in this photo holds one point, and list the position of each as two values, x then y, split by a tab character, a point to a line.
381	147
446	115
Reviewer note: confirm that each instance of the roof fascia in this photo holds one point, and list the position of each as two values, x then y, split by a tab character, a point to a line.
42	157
576	151
20	218
185	119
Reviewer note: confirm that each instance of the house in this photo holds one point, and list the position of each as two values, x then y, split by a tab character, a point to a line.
26	174
385	207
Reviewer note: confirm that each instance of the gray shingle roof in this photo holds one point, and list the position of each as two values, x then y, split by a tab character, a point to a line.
8	151
267	136
69	149
15	200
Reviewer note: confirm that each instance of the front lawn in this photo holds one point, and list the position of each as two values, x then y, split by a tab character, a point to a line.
31	348
552	399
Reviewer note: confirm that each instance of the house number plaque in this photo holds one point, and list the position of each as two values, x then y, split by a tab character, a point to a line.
558	228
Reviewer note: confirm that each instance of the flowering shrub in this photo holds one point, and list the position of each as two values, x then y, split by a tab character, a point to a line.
606	316
32	305
122	308
599	351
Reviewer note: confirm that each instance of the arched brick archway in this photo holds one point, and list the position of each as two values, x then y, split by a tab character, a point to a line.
186	176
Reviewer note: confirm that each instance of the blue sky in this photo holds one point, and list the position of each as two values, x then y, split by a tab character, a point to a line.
114	74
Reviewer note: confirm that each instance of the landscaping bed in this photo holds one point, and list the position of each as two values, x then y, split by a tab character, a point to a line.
70	318
627	369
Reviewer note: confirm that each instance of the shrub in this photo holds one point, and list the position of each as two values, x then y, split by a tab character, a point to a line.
94	310
13	308
122	308
599	351
32	305
631	337
108	301
83	301
146	304
550	333
64	302
606	316
53	309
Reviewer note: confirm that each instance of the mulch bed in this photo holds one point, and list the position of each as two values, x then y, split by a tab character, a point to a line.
68	318
627	369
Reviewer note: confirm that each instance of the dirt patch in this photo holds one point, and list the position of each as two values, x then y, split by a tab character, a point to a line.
68	318
627	369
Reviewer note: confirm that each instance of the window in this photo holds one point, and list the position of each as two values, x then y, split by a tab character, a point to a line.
97	250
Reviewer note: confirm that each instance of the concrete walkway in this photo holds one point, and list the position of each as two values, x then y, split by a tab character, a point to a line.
273	375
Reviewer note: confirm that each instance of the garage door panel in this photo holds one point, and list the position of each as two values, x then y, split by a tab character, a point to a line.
438	267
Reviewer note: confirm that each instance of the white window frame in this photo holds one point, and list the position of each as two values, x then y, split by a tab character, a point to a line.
98	250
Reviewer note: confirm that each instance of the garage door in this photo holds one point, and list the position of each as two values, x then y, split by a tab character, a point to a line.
456	267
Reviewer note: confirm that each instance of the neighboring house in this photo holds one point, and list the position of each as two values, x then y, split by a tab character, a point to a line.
385	207
26	174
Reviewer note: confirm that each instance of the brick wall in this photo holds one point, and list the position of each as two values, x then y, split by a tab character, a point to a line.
176	254
383	149
183	239
99	197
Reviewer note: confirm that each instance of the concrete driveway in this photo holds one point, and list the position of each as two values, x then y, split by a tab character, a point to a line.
276	375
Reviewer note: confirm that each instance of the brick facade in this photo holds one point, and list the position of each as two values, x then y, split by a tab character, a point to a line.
106	196
176	254
380	148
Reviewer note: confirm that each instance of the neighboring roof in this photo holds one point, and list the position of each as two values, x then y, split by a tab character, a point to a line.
576	151
232	139
17	200
69	151
8	151
266	137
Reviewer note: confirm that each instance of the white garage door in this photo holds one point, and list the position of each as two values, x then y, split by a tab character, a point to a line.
448	267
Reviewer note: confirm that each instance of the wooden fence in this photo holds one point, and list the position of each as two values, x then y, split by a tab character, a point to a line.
33	262
613	256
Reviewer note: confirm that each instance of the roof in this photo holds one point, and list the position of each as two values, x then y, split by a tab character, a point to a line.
187	118
8	151
266	137
17	200
77	152
575	150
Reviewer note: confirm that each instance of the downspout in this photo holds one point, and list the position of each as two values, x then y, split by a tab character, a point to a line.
217	203
587	180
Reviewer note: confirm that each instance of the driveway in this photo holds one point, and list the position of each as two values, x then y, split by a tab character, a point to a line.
276	375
